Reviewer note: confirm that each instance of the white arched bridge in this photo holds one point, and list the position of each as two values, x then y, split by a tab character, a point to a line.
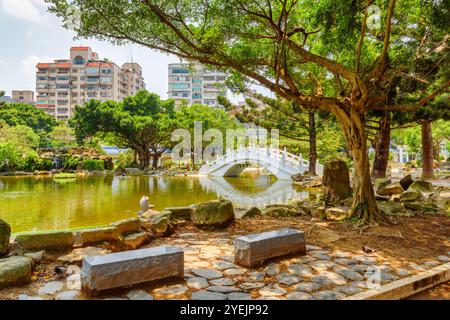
280	163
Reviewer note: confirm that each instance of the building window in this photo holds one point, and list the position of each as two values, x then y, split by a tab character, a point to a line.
92	70
179	86
78	60
180	71
106	71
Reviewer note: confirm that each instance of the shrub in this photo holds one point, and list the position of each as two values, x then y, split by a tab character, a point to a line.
93	164
70	162
33	163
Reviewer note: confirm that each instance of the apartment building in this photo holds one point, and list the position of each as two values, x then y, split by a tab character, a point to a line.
63	84
23	96
194	83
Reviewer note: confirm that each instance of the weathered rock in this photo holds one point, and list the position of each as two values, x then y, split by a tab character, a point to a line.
298	295
272	269
131	267
73	282
336	181
95	235
216	213
349	290
421	186
235	272
51	288
423	207
222	282
35	257
172	291
287	278
127	226
326	278
223	265
252	212
53	240
390	189
207	273
15	271
239	296
300	269
77	255
197	283
380	183
208	295
251	285
393	208
136	240
307	287
254	249
5	235
336	213
348	273
272	290
69	295
180	213
27	297
223	289
443	258
406	182
410	196
256	276
280	211
329	295
139	295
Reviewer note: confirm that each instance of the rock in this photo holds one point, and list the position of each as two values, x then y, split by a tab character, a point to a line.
95	235
5	235
348	273
15	271
443	258
280	211
251	285
27	297
421	186
223	265
136	240
423	207
345	261
73	282
77	255
272	290
127	226
197	283
222	282
171	291
298	295
410	196
329	295
300	269
349	290
180	213
36	256
287	278
336	213
256	276
239	296
52	240
223	289
326	278
307	287
69	295
390	189
51	288
336	181
216	213
235	272
395	197
380	183
406	182
160	224
321	265
393	208
252	212
207	273
139	295
403	273
208	295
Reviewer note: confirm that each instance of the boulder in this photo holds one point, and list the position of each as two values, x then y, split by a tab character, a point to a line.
127	226
52	240
421	186
180	213
297	177
213	213
336	213
423	207
280	211
410	196
380	183
395	197
15	271
393	208
159	224
406	182
5	235
336	181
390	189
252	212
136	240
90	236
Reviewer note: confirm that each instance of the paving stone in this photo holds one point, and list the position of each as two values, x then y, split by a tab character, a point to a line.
51	287
307	287
239	296
229	258
139	295
345	261
298	295
207	273
208	295
253	249
197	264
27	297
251	285
321	265
443	258
329	278
365	259
272	269
256	276
272	290
359	267
349	290
321	256
388	277
222	282
223	289
431	263
223	265
197	283
69	295
270	298
348	273
73	282
287	278
329	295
341	254
174	290
235	272
417	267
359	284
116	298
300	270
403	273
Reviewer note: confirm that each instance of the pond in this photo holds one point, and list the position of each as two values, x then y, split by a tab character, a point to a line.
43	203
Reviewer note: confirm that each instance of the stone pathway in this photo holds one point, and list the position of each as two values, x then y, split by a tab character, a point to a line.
210	273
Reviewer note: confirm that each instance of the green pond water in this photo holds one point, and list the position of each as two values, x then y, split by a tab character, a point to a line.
43	203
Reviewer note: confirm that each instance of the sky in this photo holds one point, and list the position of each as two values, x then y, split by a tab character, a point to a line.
29	34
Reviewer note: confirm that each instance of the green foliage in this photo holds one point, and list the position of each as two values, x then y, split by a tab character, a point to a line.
93	164
34	163
70	162
62	136
126	160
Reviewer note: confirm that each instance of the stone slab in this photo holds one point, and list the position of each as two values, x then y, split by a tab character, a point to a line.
52	240
91	236
252	250
127	226
131	267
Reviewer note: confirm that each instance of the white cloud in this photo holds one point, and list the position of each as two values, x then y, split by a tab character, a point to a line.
28	10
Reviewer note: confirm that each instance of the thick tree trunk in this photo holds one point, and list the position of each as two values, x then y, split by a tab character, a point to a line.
427	150
312	144
144	158
155	160
380	163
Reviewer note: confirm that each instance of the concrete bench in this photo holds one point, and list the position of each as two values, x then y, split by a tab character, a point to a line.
254	249
131	267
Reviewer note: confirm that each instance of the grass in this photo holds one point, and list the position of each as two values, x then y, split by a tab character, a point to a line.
65	176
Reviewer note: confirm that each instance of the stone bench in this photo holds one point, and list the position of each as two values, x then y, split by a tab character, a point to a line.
131	267
254	249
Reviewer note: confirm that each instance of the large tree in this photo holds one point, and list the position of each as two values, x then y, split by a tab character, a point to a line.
143	123
278	43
